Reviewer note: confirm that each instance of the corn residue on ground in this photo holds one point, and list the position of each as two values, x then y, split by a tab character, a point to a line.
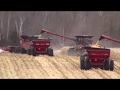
56	67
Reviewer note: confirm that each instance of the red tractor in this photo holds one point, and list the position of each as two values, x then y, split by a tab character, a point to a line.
33	45
97	56
91	55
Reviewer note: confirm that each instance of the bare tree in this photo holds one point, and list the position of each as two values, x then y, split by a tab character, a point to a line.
45	18
19	25
1	25
8	29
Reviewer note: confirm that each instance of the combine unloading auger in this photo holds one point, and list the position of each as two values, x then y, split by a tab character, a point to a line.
106	38
46	31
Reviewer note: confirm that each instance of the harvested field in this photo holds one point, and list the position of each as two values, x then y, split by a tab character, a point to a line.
57	67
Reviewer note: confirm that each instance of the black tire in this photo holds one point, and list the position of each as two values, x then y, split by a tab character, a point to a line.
82	66
87	64
29	52
14	51
11	49
22	51
32	50
111	65
50	51
106	65
17	50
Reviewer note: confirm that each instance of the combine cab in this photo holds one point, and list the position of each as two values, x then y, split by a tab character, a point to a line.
32	45
81	42
97	58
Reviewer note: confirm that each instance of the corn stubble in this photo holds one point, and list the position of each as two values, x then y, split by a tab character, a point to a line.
57	67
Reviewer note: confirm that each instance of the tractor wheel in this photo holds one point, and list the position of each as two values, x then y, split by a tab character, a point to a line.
111	65
85	61
14	51
106	65
82	63
50	51
22	51
32	50
87	64
11	50
29	52
18	50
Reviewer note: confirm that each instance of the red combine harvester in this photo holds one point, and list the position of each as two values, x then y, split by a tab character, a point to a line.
91	55
33	45
80	41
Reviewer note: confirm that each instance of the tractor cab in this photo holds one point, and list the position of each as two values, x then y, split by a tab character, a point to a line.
84	40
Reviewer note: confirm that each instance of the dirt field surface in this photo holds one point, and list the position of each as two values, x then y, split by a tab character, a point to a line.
15	66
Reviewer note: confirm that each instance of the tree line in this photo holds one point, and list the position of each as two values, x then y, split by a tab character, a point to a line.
68	23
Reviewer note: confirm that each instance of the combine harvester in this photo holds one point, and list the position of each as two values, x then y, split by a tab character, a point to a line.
80	41
91	55
32	45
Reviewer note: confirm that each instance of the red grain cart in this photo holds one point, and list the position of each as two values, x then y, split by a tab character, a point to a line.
97	58
32	45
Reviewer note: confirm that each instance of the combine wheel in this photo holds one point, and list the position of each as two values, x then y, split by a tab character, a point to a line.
22	51
106	65
18	50
50	51
12	49
32	50
29	52
82	63
111	65
85	62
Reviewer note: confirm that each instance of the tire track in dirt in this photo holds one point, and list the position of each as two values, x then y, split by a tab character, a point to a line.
76	68
19	69
57	67
117	67
29	67
110	75
41	67
15	66
50	68
11	68
87	73
24	66
76	74
40	72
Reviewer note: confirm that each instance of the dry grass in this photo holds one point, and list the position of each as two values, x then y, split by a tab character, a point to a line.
59	66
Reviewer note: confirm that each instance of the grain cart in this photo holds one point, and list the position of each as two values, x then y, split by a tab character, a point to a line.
33	45
97	56
91	55
80	41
